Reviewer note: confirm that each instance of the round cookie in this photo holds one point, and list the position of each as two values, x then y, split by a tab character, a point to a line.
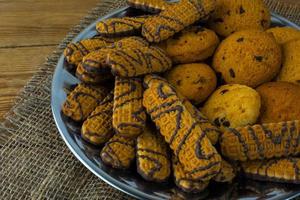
191	45
232	106
280	102
284	34
290	70
249	57
195	81
236	15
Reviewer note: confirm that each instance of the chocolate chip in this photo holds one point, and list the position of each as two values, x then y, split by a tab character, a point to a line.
263	22
242	10
217	122
231	72
224	91
200	80
228	12
298	81
240	39
178	82
218	20
223	58
258	58
226	124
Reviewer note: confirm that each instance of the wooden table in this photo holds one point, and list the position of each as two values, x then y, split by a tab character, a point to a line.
29	31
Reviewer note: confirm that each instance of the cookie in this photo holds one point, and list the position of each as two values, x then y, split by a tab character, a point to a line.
129	117
249	57
83	100
280	102
189	143
132	62
290	70
91	78
233	106
211	131
226	174
96	62
153	160
195	81
184	181
74	52
97	128
193	44
118	152
175	18
284	170
152	6
284	34
124	26
261	141
237	15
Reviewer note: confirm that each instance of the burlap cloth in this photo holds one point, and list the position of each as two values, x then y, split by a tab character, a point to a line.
35	163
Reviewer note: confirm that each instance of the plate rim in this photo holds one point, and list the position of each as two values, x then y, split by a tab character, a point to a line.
72	145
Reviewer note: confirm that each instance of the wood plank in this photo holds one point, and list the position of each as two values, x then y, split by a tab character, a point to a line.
17	67
36	22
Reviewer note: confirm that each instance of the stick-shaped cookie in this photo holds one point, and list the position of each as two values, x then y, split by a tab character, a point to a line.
285	170
261	141
226	174
152	6
83	100
118	152
74	52
139	61
91	78
189	143
123	26
175	18
129	116
96	62
153	160
97	128
184	181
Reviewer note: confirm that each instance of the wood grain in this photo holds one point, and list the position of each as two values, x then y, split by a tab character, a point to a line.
29	31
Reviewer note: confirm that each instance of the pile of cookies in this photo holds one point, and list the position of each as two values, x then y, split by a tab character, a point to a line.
193	91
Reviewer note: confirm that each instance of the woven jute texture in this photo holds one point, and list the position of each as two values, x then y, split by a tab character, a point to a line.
34	161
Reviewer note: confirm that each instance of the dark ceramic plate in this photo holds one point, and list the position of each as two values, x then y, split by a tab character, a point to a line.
129	181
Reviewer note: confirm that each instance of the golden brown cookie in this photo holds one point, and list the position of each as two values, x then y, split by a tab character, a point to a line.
211	131
153	160
91	78
227	173
196	81
184	181
261	141
193	44
189	143
129	117
97	128
249	57
236	15
233	106
280	102
132	62
96	62
119	152
284	170
83	100
175	18
74	52
284	34
152	6
124	26
290	70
